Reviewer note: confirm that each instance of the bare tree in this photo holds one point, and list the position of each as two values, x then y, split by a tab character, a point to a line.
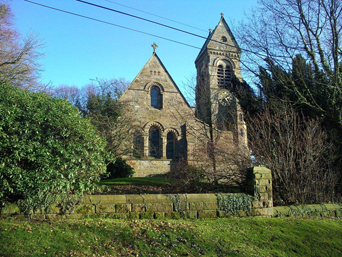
109	114
213	140
18	64
79	96
298	152
217	153
114	87
70	93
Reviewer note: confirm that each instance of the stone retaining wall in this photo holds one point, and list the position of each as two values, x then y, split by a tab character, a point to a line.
310	210
150	206
166	206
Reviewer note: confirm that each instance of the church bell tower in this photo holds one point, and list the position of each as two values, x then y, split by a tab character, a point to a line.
218	65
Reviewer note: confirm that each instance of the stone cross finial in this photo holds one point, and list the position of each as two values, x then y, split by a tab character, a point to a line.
154	46
222	14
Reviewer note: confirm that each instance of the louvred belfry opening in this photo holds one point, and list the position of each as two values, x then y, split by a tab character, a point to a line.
224	75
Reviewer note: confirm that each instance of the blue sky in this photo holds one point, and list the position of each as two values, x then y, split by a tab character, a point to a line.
77	50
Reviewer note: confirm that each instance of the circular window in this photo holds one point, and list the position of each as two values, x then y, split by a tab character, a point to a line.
224	39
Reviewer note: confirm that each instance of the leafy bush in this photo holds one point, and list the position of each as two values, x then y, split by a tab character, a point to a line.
119	169
45	147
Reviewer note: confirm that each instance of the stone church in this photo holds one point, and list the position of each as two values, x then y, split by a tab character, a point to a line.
166	128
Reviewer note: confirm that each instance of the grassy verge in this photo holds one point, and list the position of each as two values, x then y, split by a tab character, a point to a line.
217	237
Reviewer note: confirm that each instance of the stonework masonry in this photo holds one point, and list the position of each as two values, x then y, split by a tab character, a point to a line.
263	196
144	168
165	127
172	206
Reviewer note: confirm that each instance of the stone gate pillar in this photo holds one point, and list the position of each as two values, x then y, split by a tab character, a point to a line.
262	190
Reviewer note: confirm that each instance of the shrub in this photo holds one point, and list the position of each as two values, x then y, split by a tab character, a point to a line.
45	147
119	169
188	177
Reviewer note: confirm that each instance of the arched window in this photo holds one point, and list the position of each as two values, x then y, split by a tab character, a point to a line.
156	98
240	117
155	142
170	146
224	75
138	145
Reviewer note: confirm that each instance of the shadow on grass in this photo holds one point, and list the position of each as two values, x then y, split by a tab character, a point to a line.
146	181
159	185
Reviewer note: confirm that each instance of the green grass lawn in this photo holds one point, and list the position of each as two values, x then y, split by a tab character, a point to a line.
147	181
216	237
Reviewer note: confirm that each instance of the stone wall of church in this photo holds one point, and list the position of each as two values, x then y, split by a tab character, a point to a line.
165	124
145	168
166	112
